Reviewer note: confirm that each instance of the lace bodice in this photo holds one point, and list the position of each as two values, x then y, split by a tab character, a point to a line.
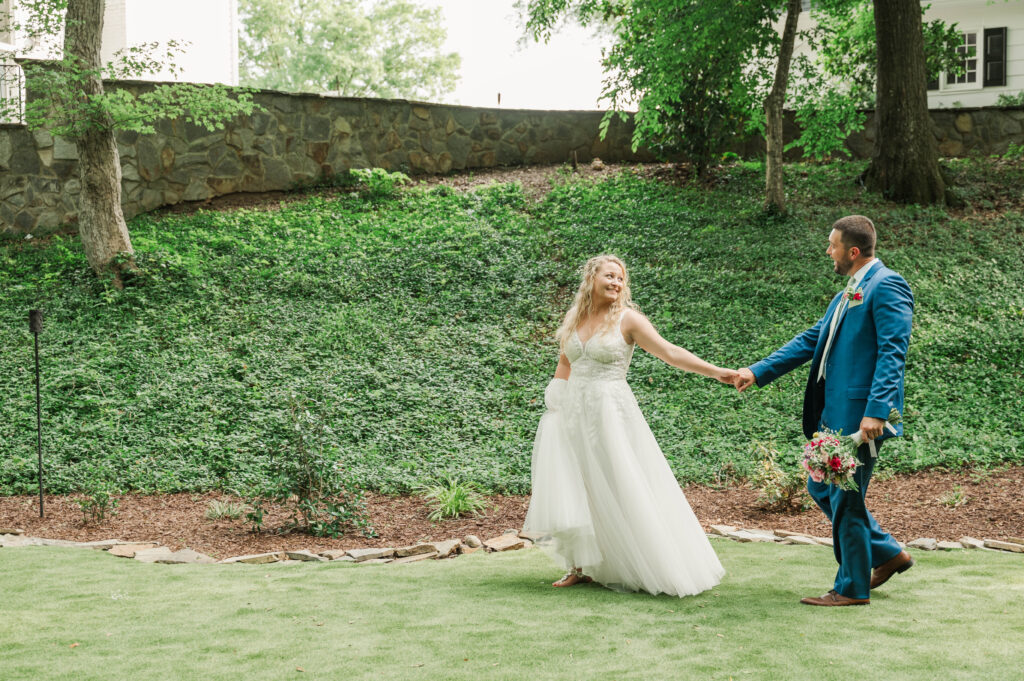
604	357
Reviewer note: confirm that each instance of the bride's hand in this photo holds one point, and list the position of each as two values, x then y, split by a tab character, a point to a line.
726	376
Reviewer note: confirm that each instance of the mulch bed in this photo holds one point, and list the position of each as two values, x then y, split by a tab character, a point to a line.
909	506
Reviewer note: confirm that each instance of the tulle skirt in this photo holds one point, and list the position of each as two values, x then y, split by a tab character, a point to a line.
605	500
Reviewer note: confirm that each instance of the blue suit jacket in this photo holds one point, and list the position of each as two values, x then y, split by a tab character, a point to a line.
864	370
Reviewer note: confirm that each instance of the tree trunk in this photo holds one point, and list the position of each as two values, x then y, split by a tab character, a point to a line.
905	163
101	221
775	191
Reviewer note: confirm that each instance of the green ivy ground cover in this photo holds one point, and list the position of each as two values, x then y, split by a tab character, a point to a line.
420	329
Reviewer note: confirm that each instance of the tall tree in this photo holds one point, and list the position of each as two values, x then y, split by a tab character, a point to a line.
775	193
682	63
905	164
66	97
101	221
364	48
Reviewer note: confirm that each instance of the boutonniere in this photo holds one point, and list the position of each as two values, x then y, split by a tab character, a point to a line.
854	297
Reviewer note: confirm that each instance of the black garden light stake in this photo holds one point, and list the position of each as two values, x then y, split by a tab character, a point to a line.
35	325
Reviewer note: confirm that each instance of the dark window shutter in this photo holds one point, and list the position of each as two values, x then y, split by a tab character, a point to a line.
995	57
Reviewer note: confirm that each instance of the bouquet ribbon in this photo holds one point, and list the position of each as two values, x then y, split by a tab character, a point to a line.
858	439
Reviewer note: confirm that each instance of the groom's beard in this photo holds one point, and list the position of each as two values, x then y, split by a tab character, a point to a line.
843	268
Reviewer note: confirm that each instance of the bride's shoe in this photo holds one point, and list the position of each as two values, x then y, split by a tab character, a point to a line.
571	578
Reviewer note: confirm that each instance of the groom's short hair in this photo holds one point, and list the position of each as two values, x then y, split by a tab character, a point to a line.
857	230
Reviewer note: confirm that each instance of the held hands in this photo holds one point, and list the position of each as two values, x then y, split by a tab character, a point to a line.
744	379
727	376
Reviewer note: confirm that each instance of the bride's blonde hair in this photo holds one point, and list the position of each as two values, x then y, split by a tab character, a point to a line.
583	303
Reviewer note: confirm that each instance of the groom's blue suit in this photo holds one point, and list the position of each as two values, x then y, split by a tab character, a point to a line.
863	378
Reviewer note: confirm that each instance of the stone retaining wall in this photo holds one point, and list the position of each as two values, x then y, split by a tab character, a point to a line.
298	139
295	139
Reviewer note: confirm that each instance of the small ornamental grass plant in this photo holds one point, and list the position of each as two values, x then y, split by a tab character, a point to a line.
453	498
219	510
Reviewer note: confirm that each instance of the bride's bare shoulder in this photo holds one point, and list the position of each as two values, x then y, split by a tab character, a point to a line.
631	317
630	322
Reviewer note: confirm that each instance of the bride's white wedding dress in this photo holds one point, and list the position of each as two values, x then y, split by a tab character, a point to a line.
604	499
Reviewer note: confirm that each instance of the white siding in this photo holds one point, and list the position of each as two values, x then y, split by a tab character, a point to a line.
115	30
970	15
977	15
210	26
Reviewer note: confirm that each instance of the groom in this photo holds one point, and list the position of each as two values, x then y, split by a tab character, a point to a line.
857	352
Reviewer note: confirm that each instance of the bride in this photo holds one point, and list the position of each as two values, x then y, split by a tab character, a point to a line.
604	501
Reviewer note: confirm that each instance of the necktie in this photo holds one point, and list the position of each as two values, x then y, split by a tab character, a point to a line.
836	316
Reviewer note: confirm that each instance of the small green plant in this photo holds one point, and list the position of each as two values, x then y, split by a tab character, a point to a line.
779	489
1014	151
218	510
981	475
1011	100
97	501
954	498
309	482
378	183
453	498
883	474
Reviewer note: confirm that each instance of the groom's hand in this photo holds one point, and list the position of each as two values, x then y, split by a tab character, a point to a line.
744	379
871	428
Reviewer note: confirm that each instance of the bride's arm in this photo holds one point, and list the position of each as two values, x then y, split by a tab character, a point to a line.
563	369
636	328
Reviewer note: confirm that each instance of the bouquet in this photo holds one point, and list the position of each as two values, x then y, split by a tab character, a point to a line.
830	458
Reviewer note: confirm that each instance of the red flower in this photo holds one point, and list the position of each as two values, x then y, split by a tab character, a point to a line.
858	296
835	464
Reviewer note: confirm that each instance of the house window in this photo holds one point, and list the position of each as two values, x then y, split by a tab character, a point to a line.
968	51
12	94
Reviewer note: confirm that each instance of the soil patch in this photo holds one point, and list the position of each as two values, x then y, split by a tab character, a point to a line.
909	506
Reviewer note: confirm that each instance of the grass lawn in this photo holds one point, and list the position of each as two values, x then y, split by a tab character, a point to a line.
954	616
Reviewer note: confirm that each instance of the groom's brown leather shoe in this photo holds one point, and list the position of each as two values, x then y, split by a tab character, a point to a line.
834	598
901	563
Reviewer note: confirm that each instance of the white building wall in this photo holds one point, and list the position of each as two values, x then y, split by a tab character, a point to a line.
209	26
972	16
976	16
115	29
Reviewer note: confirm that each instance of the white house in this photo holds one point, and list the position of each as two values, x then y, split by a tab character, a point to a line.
209	26
993	49
207	29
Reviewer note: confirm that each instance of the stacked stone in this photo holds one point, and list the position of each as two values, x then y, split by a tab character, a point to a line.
511	540
293	140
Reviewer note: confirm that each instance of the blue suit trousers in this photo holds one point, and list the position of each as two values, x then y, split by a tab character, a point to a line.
858	542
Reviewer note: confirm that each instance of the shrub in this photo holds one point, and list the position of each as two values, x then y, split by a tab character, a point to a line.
308	480
779	488
97	501
378	183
